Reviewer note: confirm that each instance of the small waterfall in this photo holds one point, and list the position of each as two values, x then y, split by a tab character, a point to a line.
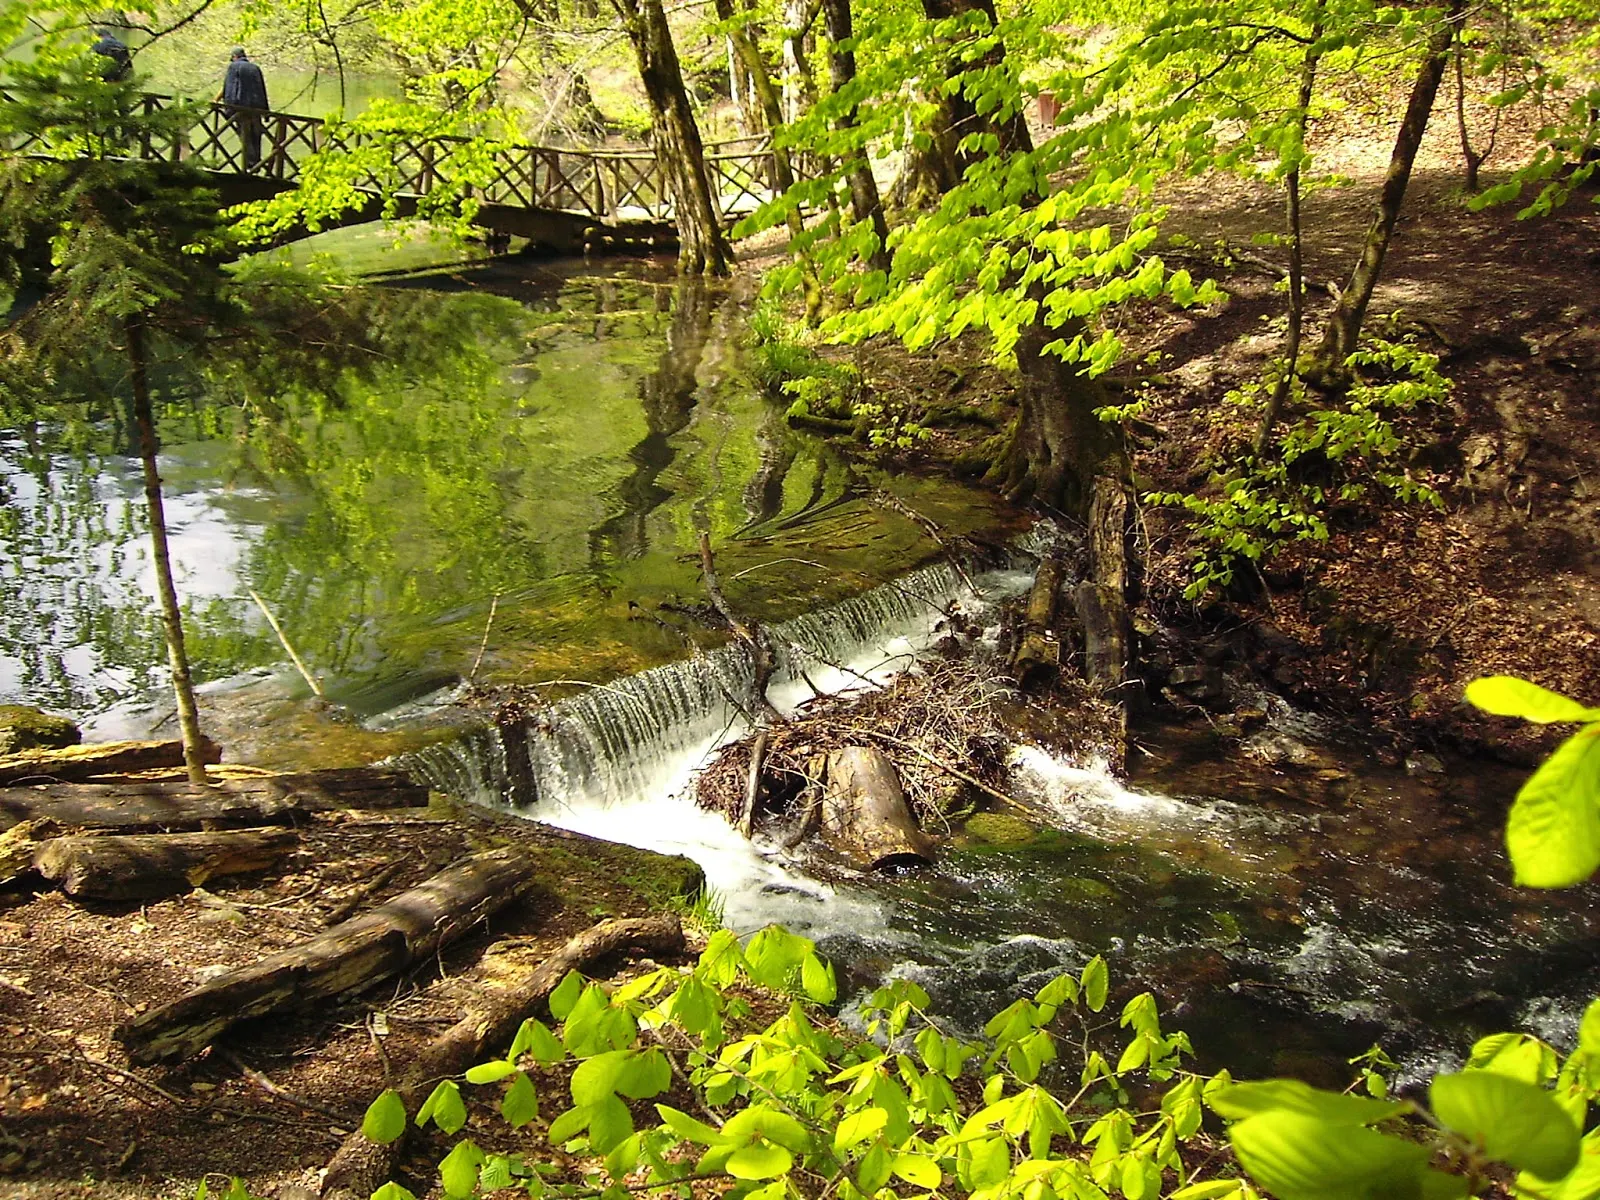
617	760
643	734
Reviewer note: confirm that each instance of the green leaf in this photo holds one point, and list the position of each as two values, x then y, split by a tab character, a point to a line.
817	979
596	1078
858	1127
687	1128
389	1191
610	1123
568	1125
386	1118
1582	1183
566	995
1241	1100
1509	1120
1212	1189
1589	1030
496	1173
444	1107
873	1171
1096	981
459	1170
536	1039
1508	696
490	1072
1298	1157
644	1075
918	1170
760	1160
624	1157
1553	832
520	1103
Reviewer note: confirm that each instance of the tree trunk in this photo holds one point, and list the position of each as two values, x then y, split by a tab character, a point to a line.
755	67
1057	445
675	135
930	171
360	1167
1471	159
865	203
961	114
1297	279
1038	657
254	800
150	866
1103	599
799	86
347	958
171	616
77	763
1344	327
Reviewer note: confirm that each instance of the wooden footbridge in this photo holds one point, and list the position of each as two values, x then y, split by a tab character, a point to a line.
570	199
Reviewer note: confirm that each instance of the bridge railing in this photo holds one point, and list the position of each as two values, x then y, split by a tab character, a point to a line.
609	185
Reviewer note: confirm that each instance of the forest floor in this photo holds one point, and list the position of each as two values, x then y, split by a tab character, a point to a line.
78	1122
1387	620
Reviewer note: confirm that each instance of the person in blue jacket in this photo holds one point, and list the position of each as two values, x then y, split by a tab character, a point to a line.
119	59
244	92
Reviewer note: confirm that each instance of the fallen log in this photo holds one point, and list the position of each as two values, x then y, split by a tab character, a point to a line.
20	843
1038	658
360	1167
76	763
171	805
346	958
152	865
864	810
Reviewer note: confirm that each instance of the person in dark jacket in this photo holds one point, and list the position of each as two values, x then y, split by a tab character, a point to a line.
244	91
119	59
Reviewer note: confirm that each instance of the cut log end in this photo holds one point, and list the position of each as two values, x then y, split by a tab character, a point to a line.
865	813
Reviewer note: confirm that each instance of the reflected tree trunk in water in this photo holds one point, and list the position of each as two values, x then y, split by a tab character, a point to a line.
171	617
763	495
667	396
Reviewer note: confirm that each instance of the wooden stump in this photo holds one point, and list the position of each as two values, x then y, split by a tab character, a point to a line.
864	810
361	1167
346	958
148	866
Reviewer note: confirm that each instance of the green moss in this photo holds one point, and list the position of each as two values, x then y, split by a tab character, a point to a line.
1000	829
25	728
1089	891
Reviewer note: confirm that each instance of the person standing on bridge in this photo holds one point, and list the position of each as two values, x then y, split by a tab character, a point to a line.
119	59
244	91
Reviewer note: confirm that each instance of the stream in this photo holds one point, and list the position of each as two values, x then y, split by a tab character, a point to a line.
512	494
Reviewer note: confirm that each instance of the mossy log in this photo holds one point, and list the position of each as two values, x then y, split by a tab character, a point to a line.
360	1167
1037	660
347	958
143	804
152	865
864	810
74	763
1103	600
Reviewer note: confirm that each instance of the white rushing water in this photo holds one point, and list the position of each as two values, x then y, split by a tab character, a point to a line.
619	761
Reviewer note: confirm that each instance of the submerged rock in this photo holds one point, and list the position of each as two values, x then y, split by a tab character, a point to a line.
1423	763
23	727
1278	749
1000	829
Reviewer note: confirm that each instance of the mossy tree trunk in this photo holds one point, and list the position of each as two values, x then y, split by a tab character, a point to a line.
1344	327
702	246
171	615
1057	444
865	203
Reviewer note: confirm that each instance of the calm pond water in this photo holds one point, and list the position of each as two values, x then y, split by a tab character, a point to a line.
545	443
518	465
